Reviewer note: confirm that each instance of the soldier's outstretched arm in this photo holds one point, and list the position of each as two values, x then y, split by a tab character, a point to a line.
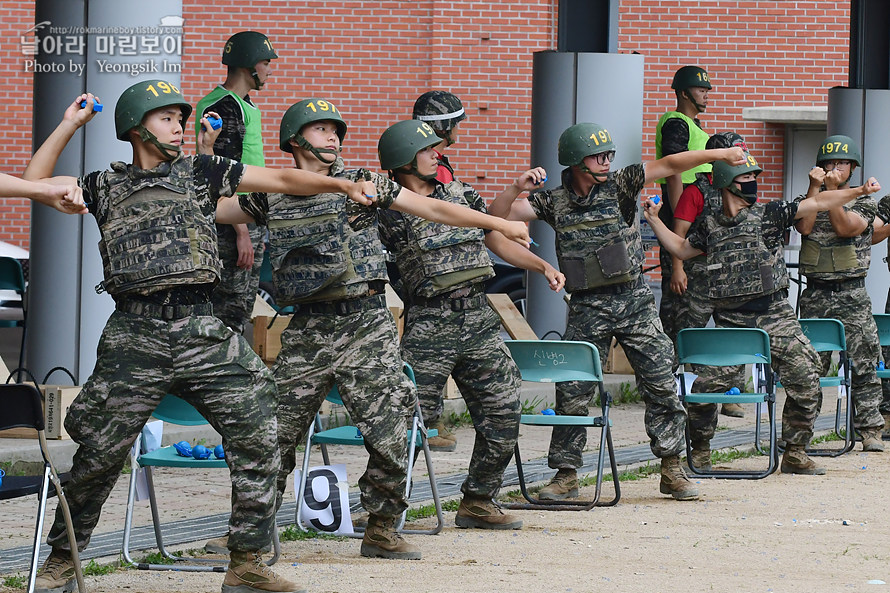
677	245
829	199
519	256
56	192
449	213
298	182
44	160
683	161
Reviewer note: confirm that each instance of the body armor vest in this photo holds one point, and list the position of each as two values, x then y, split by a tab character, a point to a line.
315	254
713	204
440	256
155	235
599	226
826	256
740	265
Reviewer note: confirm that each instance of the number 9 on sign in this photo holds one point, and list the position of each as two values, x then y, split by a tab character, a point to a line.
324	501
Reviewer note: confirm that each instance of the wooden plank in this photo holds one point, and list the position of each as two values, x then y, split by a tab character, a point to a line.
511	318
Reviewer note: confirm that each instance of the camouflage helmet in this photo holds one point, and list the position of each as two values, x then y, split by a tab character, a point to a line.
582	140
143	97
247	48
724	173
839	148
726	140
440	109
307	111
399	144
690	76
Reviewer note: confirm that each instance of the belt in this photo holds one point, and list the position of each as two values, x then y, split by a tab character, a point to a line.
761	304
344	307
611	288
455	304
164	312
837	285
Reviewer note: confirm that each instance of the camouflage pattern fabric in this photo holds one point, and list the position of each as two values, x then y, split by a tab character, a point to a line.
852	307
671	304
795	360
885	356
359	354
211	368
631	318
234	296
439	342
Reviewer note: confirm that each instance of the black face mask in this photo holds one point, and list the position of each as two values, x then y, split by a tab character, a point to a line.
747	190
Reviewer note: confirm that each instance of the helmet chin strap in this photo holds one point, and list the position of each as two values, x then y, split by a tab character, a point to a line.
171	151
698	106
598	176
303	143
256	79
411	169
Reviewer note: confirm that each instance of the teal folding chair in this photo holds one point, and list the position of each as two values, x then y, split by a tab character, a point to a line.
173	410
14	312
827	335
882	320
417	436
719	346
553	361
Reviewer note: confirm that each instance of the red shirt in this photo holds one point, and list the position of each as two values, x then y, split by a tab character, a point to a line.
691	203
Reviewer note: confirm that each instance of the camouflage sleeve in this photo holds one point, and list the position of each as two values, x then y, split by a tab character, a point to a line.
698	234
883	210
674	136
387	189
630	181
230	142
777	217
865	207
473	198
256	205
92	197
216	176
542	203
393	232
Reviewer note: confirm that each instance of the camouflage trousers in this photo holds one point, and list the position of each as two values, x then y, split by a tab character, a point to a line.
359	353
466	345
630	317
671	303
695	310
234	296
197	358
793	358
852	307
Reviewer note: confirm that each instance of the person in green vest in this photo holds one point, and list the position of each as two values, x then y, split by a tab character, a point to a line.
248	56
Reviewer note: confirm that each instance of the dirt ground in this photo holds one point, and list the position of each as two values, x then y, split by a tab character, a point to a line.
785	534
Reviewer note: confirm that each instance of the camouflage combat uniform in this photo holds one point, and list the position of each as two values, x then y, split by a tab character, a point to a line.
749	288
328	260
694	310
240	139
835	268
159	252
600	252
451	330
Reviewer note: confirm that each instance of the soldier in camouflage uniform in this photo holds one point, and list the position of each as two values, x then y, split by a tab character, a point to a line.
835	255
881	232
328	261
689	281
449	327
594	214
749	288
160	261
442	111
247	55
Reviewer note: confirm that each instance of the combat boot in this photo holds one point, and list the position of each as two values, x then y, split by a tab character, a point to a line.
674	480
701	458
248	574
871	440
733	410
796	461
445	441
886	434
220	545
57	574
381	540
563	485
483	513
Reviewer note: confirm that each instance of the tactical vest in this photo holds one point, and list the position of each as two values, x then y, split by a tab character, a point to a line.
252	143
697	140
713	204
155	235
315	252
440	256
595	246
826	256
740	265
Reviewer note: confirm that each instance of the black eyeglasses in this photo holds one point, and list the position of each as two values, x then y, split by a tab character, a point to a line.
602	157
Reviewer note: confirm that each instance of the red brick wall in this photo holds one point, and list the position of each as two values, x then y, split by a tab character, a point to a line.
373	58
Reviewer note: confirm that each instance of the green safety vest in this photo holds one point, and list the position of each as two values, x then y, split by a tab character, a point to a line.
697	140
252	148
